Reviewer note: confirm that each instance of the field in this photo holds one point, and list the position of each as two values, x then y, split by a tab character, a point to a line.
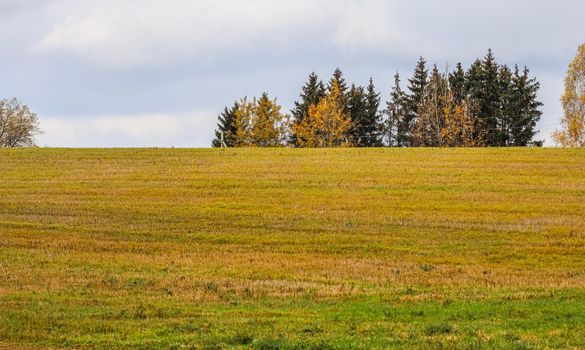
292	249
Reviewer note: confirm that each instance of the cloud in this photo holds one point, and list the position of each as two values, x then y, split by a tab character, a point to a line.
116	33
159	130
74	59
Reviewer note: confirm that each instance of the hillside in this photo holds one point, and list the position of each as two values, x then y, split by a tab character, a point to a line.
285	248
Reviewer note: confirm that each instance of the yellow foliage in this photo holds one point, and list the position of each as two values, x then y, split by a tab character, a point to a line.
573	99
326	124
459	126
260	123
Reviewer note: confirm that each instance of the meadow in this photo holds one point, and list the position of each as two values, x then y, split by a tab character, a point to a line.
292	248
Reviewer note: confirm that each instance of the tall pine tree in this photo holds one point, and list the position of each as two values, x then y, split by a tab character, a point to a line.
416	86
371	124
505	107
457	83
397	109
489	101
343	92
526	108
356	109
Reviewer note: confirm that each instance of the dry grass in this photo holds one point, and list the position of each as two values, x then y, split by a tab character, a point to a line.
116	237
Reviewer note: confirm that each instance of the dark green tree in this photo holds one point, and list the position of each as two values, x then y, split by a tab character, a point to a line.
397	108
226	125
312	92
489	102
357	110
458	84
372	126
343	89
416	87
506	106
526	107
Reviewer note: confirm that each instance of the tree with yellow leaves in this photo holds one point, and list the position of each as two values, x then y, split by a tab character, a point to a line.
243	122
326	124
573	122
269	125
260	123
459	125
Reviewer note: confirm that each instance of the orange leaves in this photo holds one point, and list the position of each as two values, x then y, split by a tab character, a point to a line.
326	124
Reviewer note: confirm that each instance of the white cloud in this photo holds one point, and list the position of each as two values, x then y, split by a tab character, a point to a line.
71	57
127	32
159	130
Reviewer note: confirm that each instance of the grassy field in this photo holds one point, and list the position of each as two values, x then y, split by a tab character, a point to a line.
292	249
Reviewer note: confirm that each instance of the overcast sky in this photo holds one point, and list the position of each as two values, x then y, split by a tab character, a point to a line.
105	73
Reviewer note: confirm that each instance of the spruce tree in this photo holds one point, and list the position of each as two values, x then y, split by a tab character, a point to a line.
457	83
526	108
489	102
227	126
397	108
356	109
338	79
312	92
416	87
372	125
474	89
506	107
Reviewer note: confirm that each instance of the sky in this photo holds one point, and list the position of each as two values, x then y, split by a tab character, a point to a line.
155	73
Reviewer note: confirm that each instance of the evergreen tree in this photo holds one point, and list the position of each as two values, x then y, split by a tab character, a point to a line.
312	92
227	126
489	101
339	80
395	126
356	109
506	108
457	83
474	89
526	108
368	127
417	89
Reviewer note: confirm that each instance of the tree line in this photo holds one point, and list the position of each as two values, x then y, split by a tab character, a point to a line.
488	104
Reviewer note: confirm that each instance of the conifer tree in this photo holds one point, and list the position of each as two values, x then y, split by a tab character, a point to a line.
457	83
312	92
372	126
506	106
226	125
489	101
525	111
343	93
356	109
417	90
395	126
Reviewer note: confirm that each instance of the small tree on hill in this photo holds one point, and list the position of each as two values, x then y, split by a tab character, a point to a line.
19	126
226	127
